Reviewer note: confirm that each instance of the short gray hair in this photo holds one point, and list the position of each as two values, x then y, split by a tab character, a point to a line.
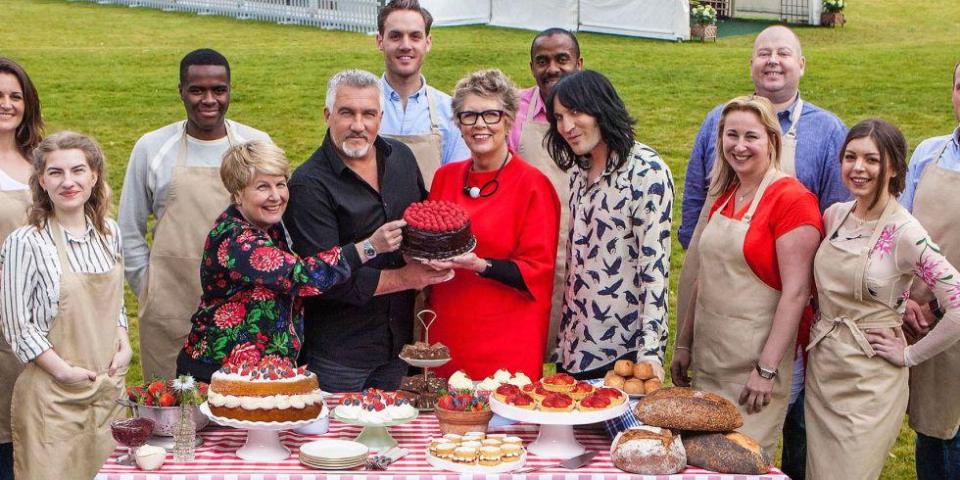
352	78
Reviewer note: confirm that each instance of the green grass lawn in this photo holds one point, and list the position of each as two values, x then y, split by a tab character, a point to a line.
112	71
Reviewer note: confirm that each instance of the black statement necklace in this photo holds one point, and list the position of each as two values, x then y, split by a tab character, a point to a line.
483	190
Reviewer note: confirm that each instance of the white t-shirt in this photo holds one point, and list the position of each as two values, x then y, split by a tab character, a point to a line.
148	177
7	183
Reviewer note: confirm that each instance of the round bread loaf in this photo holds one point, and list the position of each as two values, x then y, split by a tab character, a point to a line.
650	386
624	368
633	386
643	371
648	450
614	380
682	408
731	452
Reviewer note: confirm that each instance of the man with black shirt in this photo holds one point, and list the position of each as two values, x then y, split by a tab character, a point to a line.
354	183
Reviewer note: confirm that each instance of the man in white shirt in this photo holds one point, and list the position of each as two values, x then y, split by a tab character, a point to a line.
173	174
415	113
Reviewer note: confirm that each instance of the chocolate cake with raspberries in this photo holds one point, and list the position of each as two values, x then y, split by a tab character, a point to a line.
436	230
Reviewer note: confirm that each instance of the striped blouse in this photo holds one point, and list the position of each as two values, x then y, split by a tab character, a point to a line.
30	290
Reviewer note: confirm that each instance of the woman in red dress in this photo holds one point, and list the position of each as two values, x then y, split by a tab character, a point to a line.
494	312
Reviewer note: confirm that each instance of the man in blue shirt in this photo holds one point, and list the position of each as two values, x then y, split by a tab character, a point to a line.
930	194
413	112
811	145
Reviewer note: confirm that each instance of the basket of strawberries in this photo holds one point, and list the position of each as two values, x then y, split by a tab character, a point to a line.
463	412
158	401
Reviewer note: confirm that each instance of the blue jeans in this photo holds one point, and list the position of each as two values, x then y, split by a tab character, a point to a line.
793	460
335	378
6	461
938	459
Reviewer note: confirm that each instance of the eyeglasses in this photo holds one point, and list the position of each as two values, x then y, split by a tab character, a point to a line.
490	117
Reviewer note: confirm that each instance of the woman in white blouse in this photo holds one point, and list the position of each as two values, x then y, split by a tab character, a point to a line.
63	313
874	249
21	127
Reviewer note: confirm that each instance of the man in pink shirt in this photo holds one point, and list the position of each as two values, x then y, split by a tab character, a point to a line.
554	54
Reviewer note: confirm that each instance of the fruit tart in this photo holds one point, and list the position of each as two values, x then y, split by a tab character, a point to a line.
581	390
505	390
595	401
535	390
521	400
616	396
560	382
557	402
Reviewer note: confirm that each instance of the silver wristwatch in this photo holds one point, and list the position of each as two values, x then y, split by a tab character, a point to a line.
368	250
766	373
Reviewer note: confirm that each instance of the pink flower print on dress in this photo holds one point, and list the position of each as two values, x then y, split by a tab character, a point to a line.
953	292
884	244
928	271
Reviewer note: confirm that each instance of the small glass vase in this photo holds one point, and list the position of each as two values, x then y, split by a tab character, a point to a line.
185	436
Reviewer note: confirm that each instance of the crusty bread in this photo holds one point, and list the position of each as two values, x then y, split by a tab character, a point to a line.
683	408
633	386
651	385
624	368
648	450
731	452
643	371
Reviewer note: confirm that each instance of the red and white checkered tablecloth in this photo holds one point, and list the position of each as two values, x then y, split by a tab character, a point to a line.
215	459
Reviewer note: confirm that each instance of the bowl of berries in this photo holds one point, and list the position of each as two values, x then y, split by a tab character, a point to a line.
158	401
463	412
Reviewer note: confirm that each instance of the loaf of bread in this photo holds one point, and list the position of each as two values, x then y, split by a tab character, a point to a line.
731	452
651	385
623	368
648	450
643	371
683	408
633	386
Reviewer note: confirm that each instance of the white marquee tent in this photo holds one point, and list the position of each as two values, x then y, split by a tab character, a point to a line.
663	19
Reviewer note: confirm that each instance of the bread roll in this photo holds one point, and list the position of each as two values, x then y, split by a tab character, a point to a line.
731	452
683	408
643	371
650	386
624	368
614	380
648	450
633	387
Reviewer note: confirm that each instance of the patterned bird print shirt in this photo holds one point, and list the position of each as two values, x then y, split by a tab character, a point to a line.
618	261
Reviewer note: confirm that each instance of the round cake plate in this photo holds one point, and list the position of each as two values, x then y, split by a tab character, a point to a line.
426	363
556	439
473	245
374	436
263	438
477	469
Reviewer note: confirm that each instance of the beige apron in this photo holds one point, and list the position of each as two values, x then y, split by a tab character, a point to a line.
13	215
934	386
63	430
169	297
531	149
691	262
731	330
855	401
427	147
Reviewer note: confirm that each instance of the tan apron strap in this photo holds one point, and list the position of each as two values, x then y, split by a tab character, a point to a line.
795	119
532	106
432	108
231	139
865	255
771	176
823	328
57	233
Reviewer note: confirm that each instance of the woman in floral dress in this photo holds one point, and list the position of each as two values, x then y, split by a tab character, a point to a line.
864	268
252	282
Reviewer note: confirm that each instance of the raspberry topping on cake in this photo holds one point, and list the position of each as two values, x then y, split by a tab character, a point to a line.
268	367
435	216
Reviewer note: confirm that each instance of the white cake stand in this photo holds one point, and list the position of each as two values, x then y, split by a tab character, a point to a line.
556	439
263	438
374	435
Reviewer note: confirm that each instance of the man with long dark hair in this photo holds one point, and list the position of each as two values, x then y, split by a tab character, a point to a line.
618	260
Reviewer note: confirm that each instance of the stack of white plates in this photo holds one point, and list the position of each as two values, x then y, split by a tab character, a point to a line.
332	454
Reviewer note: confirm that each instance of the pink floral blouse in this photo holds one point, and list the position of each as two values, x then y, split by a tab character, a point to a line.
903	252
